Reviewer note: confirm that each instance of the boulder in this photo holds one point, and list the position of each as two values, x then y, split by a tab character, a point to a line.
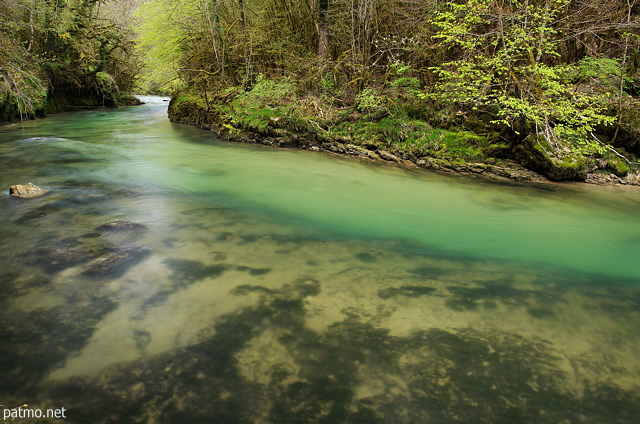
26	191
557	164
114	262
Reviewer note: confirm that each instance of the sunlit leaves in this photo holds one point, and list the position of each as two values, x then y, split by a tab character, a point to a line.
506	64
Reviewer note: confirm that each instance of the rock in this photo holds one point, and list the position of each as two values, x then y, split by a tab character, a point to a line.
120	225
430	163
336	148
54	259
557	164
388	156
39	212
26	191
113	263
617	166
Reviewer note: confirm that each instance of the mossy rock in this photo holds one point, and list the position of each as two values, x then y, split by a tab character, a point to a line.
190	109
617	166
107	85
129	100
537	155
479	125
569	167
498	150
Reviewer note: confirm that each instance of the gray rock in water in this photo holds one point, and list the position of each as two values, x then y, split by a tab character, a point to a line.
120	225
26	191
54	259
113	263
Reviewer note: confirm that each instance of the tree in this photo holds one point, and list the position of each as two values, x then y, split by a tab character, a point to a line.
56	48
506	61
323	29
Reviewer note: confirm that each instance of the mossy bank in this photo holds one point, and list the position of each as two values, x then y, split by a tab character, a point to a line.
63	56
28	91
268	115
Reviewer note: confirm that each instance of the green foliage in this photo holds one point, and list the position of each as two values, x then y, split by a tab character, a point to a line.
401	80
328	84
21	94
404	90
23	87
552	68
598	67
162	36
107	86
267	93
254	109
59	48
332	86
511	78
369	100
600	75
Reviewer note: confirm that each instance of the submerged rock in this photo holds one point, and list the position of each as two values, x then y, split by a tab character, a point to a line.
114	262
120	225
54	259
26	191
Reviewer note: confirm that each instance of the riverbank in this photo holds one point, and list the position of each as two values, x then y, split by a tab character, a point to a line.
386	138
62	57
14	108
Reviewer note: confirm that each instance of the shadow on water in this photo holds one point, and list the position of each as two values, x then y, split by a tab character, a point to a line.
355	372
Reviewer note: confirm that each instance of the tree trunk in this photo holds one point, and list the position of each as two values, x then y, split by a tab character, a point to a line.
323	29
247	58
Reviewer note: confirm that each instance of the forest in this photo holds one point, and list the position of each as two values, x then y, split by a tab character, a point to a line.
64	55
549	85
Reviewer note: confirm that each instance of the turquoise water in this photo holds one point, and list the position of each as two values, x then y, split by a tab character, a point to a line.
271	285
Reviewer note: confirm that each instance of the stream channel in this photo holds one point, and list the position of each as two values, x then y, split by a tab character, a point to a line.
247	284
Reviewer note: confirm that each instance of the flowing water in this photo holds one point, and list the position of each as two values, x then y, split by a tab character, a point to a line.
259	285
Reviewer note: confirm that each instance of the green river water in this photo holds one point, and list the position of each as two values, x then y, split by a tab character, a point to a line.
277	286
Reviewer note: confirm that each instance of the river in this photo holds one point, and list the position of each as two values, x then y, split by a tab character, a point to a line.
246	284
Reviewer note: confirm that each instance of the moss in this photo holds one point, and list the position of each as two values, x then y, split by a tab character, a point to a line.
107	88
462	146
413	137
617	166
128	100
273	113
257	120
560	165
497	150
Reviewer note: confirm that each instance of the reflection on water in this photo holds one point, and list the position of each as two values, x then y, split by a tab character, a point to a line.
169	277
